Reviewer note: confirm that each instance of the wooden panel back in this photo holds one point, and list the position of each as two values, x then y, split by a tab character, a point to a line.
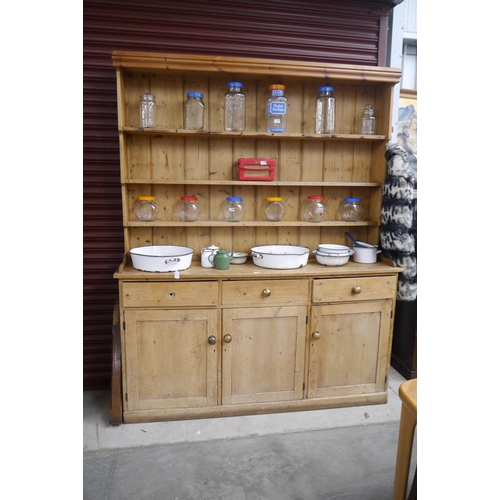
164	157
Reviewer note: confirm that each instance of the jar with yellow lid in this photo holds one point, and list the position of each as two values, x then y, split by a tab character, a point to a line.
273	208
146	208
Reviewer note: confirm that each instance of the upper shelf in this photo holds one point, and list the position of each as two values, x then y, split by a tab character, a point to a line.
252	135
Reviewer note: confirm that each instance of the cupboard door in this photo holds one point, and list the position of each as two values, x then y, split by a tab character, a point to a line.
349	348
263	353
169	361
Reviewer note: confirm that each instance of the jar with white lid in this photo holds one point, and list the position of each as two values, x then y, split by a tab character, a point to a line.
368	120
147	110
314	209
194	111
351	210
273	208
146	208
188	208
233	209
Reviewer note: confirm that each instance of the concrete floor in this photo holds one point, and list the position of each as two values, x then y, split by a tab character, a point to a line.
347	453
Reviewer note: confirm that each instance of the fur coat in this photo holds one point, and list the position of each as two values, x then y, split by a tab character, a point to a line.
396	238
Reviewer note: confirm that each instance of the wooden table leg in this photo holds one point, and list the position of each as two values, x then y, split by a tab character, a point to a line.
407	426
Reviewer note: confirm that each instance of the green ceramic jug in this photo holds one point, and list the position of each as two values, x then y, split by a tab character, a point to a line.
221	259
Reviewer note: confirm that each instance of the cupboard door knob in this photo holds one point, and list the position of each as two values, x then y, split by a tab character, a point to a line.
212	340
266	292
227	338
356	290
316	335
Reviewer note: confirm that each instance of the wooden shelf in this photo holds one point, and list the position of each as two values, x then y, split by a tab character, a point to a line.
250	271
250	223
253	135
252	183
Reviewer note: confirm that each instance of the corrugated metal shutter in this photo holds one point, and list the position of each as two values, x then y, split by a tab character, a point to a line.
347	32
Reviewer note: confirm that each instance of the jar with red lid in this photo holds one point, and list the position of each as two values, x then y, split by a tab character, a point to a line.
314	209
188	208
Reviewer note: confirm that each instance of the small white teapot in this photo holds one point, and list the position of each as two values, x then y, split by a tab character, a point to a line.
205	253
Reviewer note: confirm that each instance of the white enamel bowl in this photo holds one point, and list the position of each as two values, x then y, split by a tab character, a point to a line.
280	256
239	258
326	259
330	248
161	258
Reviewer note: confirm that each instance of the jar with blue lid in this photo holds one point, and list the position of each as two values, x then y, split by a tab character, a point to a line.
194	111
233	209
325	111
234	111
351	210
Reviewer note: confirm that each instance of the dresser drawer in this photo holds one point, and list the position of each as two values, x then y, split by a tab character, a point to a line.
242	293
155	294
349	289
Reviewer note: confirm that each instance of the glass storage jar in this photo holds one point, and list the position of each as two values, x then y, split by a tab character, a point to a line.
325	111
146	208
273	208
194	111
233	209
147	110
276	108
188	208
234	112
351	210
314	209
368	121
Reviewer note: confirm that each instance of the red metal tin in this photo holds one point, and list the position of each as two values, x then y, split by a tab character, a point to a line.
256	169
